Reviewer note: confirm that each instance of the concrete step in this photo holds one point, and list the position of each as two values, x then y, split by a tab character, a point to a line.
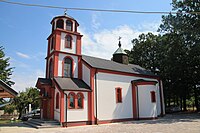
37	123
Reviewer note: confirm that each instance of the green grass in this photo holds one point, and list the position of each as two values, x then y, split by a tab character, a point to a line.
8	121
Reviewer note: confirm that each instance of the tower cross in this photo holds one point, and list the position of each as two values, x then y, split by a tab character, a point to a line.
119	41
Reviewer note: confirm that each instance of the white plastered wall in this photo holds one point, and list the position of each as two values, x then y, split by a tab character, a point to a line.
62	44
108	109
86	74
146	107
56	111
60	59
76	114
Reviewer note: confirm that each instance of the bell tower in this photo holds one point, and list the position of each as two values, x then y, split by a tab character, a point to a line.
64	47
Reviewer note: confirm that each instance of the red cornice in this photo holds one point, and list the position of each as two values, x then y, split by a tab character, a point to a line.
55	51
58	30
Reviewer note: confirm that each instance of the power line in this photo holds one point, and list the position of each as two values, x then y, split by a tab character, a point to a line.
93	9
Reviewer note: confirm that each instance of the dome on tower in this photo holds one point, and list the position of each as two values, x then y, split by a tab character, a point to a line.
120	55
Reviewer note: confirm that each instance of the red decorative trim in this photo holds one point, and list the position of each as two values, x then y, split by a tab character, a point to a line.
72	71
134	102
58	40
74	97
58	30
62	107
78	45
118	92
61	53
91	98
55	68
79	68
76	123
66	41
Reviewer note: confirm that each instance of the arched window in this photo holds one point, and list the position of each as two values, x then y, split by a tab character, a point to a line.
52	43
69	25
153	96
118	95
80	100
50	69
57	100
67	67
68	41
71	100
60	24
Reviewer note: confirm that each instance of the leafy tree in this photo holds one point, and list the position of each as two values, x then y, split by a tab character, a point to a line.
9	108
5	69
185	24
30	96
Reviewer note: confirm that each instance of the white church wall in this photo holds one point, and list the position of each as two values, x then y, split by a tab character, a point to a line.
146	107
60	65
76	114
62	44
108	109
86	74
56	111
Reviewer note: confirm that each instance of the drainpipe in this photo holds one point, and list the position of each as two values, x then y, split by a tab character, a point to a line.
138	103
96	94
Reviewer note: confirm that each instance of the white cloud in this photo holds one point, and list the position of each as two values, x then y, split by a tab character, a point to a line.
22	55
24	80
103	43
95	21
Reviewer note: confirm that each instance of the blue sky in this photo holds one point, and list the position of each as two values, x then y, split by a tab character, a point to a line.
24	30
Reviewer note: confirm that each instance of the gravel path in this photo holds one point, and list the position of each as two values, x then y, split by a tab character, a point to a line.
179	123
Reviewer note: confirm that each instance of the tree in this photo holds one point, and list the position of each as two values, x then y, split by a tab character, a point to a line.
30	96
185	24
5	69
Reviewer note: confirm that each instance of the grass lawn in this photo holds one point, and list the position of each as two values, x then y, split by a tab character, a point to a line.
8	121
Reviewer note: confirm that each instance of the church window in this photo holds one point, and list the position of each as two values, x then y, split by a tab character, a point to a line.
60	24
67	67
68	41
71	100
80	100
57	100
118	95
153	96
69	25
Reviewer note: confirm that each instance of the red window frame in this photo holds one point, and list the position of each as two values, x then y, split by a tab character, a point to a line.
153	96
57	100
68	41
118	92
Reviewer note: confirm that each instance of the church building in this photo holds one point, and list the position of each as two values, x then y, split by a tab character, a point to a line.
84	90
